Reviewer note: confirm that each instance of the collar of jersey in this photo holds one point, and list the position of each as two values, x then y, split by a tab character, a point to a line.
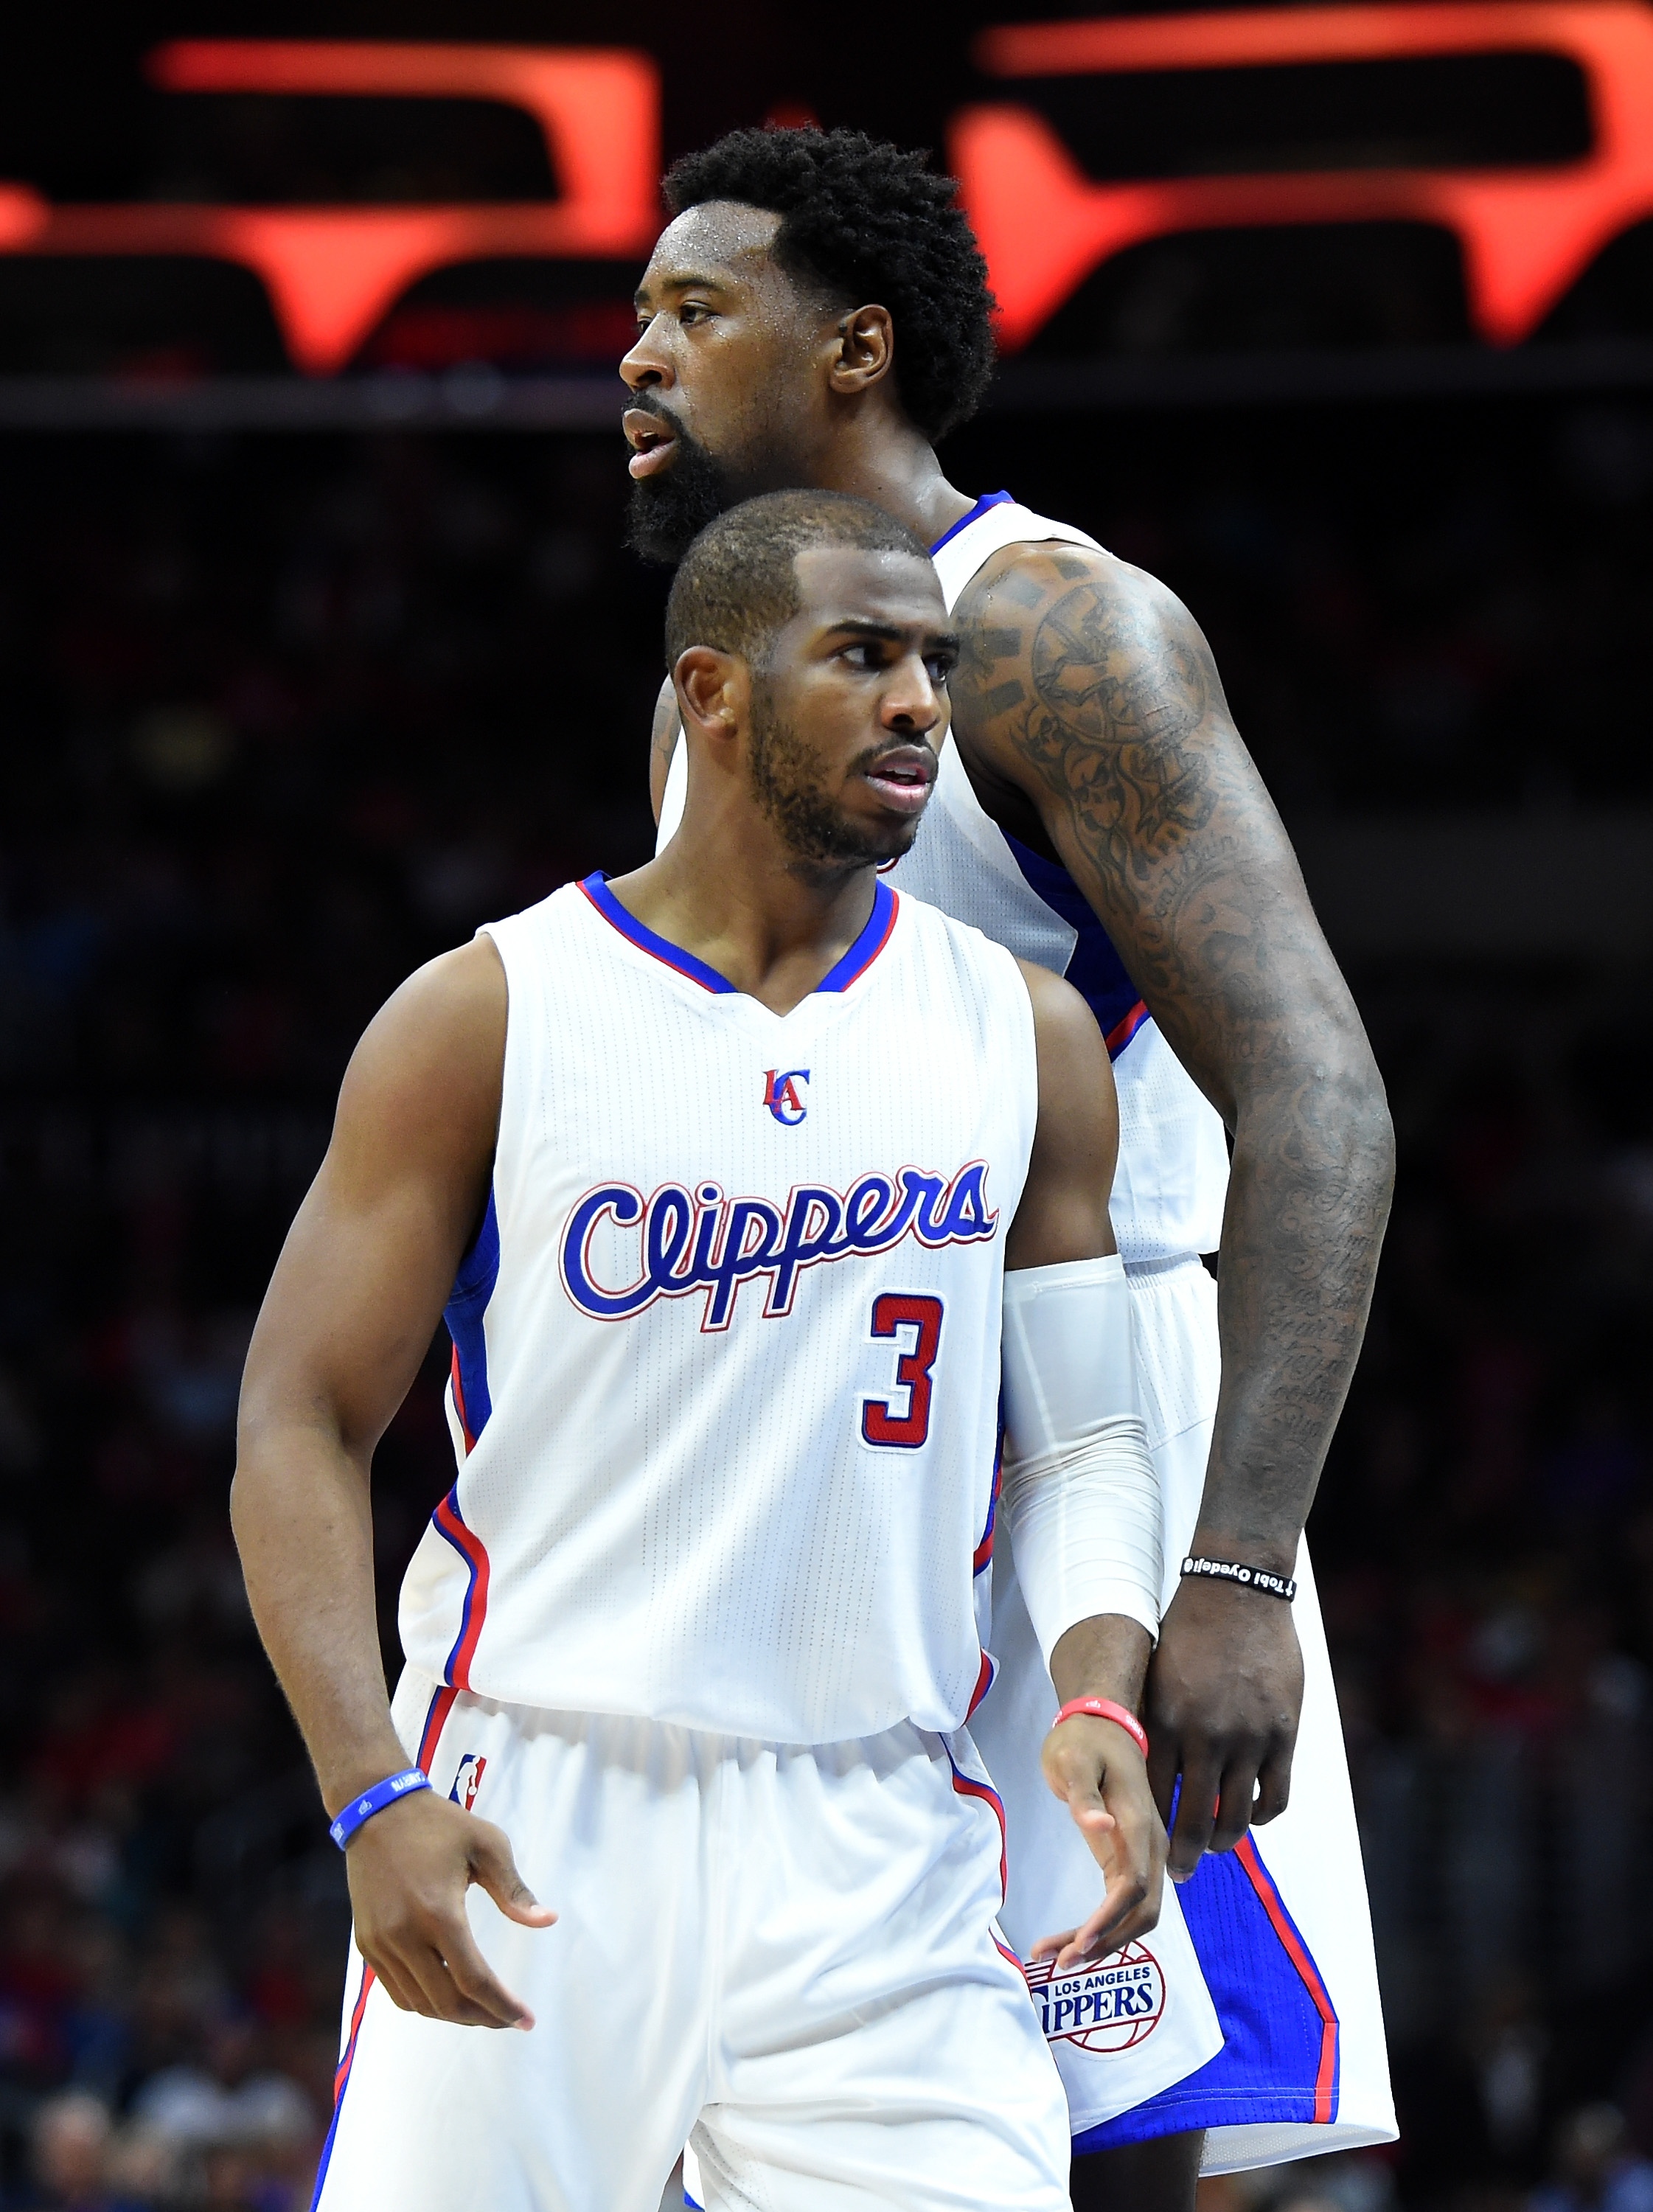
988	499
839	977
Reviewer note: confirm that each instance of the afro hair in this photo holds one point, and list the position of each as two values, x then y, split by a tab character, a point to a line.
867	222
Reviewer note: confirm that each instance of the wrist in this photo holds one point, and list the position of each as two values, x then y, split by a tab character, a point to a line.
1277	1552
346	1779
1107	1710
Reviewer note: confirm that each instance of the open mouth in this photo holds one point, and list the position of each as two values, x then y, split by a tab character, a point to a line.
652	438
902	779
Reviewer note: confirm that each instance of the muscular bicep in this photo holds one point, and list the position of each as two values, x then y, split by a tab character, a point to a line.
371	1257
1090	688
1063	1213
662	744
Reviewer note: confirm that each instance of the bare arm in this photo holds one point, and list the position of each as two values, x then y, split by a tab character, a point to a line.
1089	698
349	1316
1091	1764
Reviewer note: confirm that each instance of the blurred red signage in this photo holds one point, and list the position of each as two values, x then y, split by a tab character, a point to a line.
332	272
1526	233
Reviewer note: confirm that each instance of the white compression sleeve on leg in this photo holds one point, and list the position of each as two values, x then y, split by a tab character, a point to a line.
1080	1490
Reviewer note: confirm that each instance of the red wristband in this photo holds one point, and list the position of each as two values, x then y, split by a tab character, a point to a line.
1104	1708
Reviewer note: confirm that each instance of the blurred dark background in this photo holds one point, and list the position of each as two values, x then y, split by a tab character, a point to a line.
283	715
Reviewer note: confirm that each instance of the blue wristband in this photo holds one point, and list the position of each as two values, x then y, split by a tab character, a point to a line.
405	1785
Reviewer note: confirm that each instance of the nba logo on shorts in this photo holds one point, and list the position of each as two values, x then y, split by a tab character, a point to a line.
1111	2006
468	1780
780	1094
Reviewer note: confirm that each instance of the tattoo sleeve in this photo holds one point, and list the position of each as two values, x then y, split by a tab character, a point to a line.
1087	687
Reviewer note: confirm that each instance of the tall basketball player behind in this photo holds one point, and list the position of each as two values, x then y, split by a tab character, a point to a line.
817	313
718	1169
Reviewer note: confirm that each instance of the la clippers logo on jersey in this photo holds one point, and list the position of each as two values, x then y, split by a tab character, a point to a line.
702	1241
1111	2007
468	1780
780	1094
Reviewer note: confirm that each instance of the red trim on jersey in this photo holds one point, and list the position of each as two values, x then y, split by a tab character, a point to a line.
435	1721
449	1522
1122	1033
1004	1952
886	905
988	1669
459	1404
967	1787
1297	1951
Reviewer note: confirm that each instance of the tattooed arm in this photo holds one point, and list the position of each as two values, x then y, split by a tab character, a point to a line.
1087	707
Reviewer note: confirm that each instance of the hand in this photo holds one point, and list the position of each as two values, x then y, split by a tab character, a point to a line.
1099	1773
409	1867
1224	1693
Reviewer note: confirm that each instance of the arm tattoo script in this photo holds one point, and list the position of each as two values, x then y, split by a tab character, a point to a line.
1088	687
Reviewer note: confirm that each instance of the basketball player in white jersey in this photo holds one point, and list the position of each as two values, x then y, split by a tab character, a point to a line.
817	313
717	1171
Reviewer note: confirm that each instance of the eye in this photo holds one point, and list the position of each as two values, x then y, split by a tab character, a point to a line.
693	311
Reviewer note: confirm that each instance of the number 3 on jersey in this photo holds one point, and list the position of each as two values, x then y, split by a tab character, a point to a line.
903	1418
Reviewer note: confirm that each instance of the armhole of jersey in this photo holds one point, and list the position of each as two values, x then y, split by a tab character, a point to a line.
674	795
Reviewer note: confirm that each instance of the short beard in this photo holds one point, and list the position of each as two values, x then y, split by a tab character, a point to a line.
668	512
787	784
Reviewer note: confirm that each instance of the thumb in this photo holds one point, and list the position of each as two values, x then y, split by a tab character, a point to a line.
1090	1813
494	1869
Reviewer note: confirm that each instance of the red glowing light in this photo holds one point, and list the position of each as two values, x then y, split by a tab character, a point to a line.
1526	233
332	272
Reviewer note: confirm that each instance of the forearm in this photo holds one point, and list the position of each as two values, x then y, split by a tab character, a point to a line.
1308	1199
1106	1656
303	1523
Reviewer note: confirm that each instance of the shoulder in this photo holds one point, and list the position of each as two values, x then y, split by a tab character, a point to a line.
1035	576
1064	1028
434	1054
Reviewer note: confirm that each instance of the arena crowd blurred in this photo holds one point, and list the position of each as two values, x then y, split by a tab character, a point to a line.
284	718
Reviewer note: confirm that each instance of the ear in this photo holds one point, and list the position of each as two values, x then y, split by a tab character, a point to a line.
711	689
864	351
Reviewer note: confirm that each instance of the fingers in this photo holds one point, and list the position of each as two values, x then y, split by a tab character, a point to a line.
1273	1784
494	1869
1239	1794
409	1874
1196	1814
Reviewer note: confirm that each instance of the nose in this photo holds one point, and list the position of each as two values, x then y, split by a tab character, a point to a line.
912	703
645	368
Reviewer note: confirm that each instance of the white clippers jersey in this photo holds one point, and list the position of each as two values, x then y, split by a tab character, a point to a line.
725	1367
1172	1178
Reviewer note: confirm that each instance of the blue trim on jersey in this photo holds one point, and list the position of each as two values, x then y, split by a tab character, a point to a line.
596	890
839	977
988	499
1272	2064
868	946
473	1286
1095	970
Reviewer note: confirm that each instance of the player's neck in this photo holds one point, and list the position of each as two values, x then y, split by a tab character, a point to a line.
740	903
895	465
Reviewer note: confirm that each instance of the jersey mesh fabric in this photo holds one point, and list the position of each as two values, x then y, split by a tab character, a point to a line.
686	1512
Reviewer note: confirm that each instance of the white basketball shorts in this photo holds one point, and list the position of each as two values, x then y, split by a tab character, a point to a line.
791	1952
1252	2010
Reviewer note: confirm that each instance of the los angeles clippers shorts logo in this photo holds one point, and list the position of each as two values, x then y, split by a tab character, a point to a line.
780	1094
468	1780
1111	2006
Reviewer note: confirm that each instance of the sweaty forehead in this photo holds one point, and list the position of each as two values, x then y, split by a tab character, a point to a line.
837	583
723	238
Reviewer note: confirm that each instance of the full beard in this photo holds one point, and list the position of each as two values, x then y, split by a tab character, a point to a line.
788	784
668	512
